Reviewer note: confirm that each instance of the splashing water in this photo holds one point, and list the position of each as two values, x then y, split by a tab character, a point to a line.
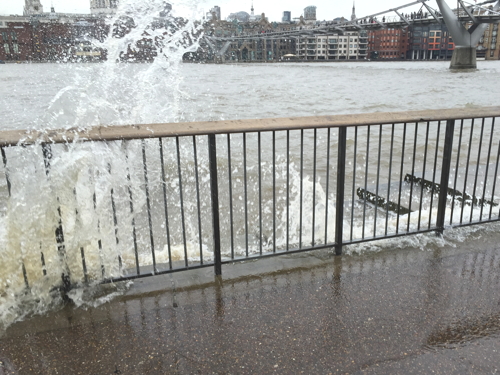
118	91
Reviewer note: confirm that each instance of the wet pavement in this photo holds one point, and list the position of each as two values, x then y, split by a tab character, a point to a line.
399	311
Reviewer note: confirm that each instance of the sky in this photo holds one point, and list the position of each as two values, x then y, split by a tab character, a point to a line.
326	9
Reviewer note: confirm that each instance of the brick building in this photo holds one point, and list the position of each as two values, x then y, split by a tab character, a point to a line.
51	38
489	45
432	42
388	44
16	41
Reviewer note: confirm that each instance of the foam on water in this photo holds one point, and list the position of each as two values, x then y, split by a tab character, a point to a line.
84	183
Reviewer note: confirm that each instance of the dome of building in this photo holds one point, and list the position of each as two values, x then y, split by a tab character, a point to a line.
239	16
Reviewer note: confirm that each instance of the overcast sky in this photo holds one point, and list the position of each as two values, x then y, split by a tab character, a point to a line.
326	9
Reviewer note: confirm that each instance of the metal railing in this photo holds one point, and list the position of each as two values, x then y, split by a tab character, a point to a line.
118	203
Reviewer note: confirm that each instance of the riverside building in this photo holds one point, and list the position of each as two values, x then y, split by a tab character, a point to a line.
432	42
247	47
388	44
489	45
64	37
351	45
346	46
103	6
50	36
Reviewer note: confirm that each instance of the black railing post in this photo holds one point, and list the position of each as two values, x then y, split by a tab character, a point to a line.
4	157
445	175
214	188
61	248
339	219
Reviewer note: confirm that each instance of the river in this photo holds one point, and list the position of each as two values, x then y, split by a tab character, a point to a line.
242	91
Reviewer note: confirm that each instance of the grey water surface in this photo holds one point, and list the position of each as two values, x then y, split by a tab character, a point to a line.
35	95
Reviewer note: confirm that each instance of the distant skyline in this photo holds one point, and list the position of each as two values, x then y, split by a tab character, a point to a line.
326	10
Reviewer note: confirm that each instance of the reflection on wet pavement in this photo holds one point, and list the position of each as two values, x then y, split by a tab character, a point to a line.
465	331
399	311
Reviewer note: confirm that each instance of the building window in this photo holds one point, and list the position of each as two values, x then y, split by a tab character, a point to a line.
15	47
6	48
13	35
4	36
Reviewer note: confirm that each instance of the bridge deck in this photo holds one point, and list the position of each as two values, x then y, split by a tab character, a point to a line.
335	28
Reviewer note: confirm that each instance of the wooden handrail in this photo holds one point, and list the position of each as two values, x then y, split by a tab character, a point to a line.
124	132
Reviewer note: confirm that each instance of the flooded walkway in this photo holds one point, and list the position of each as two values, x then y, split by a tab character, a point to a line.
399	311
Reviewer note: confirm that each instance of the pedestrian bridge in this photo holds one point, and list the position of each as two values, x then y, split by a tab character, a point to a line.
391	18
466	25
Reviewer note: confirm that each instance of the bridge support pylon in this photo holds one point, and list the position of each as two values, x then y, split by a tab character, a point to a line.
466	40
464	58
